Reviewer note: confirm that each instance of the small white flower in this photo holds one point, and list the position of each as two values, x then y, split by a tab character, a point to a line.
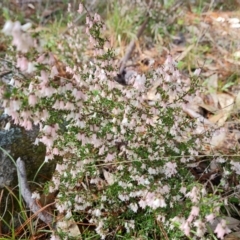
31	67
233	20
220	19
7	29
26	26
96	212
80	8
7	127
197	72
11	82
134	207
235	25
35	195
68	215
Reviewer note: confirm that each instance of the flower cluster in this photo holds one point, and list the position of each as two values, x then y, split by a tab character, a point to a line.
124	149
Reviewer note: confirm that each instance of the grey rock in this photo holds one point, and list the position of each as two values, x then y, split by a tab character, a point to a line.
7	166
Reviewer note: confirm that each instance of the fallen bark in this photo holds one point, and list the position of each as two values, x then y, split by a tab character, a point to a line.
27	194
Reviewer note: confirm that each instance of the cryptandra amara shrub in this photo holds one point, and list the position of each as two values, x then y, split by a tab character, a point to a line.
124	149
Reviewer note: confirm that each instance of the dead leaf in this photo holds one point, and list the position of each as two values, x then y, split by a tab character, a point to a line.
221	105
233	236
237	101
184	53
69	226
109	177
224	141
218	138
212	83
219	118
226	101
232	223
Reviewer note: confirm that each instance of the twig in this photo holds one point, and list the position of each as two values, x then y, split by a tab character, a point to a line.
132	45
27	195
2	74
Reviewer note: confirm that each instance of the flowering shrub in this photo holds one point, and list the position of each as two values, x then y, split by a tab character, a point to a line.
124	149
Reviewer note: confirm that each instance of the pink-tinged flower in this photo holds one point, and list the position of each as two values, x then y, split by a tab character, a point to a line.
27	124
164	189
101	150
32	100
44	115
80	8
47	129
139	82
185	228
87	20
195	211
61	105
25	114
194	195
152	171
15	105
55	151
16	27
44	76
31	67
110	157
92	41
158	202
49	156
61	167
183	190
61	207
56	105
51	59
123	197
170	169
200	227
15	117
48	91
54	72
222	229
210	217
22	63
97	17
69	86
142	203
22	41
41	58
47	141
69	106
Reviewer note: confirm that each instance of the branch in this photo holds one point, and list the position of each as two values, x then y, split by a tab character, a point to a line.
132	45
27	195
